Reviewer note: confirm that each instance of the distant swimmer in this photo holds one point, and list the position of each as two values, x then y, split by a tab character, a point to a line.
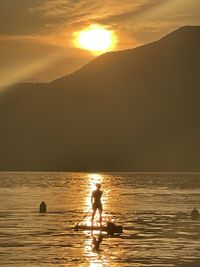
42	207
194	214
96	202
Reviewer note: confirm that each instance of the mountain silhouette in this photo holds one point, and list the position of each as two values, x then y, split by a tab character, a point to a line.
131	110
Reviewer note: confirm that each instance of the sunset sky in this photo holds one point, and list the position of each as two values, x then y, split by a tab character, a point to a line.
36	36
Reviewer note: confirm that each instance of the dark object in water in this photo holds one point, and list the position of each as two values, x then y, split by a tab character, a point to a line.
43	207
194	214
113	228
110	228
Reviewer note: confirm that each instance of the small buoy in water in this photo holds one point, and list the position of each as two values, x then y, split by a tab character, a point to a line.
43	207
194	214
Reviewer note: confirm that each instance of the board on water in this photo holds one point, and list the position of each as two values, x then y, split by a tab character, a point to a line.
110	228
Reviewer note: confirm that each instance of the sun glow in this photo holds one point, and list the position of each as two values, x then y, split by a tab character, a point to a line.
96	39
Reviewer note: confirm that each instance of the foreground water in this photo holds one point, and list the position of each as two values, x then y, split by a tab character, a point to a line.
153	208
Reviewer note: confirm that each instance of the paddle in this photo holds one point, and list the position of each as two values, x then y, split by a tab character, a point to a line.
76	226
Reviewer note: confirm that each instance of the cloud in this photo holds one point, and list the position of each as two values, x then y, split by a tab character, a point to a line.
48	17
135	21
69	15
73	12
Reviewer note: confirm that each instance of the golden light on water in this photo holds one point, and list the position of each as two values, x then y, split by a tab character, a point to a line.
92	179
95	178
95	39
95	264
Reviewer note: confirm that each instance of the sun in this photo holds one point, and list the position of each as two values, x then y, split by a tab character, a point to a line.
95	39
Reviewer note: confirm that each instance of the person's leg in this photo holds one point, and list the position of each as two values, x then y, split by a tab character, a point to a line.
100	215
93	214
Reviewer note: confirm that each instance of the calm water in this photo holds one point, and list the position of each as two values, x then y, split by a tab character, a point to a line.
153	208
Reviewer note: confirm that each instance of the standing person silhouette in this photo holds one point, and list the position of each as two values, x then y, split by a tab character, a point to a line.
96	202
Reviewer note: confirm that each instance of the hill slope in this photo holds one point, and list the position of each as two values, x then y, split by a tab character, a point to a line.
132	110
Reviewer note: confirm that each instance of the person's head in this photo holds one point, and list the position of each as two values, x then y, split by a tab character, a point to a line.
98	186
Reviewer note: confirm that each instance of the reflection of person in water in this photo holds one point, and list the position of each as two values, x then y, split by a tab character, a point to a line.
96	202
96	242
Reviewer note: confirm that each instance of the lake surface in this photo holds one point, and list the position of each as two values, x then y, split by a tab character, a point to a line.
153	208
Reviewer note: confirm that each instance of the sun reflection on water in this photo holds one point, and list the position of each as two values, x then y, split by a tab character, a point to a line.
92	180
95	264
95	258
95	178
